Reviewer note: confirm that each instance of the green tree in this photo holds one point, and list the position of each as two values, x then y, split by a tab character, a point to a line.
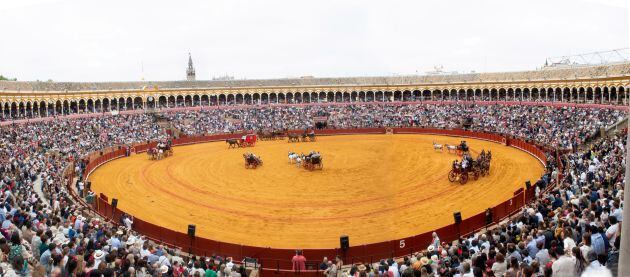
2	78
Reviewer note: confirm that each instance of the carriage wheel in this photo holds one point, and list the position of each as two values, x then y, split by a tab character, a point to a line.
452	176
463	178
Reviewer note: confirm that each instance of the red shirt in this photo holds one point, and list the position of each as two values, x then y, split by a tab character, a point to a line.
299	263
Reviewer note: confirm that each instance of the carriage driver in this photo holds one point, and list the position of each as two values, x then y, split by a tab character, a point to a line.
466	162
455	164
463	146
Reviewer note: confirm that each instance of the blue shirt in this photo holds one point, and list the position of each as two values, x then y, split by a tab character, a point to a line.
115	242
532	249
43	260
597	243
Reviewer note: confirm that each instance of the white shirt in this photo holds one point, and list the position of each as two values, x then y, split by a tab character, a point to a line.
569	243
394	269
564	266
618	213
585	249
128	222
144	253
610	233
596	269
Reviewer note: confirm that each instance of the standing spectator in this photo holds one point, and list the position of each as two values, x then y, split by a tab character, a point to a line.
299	261
435	241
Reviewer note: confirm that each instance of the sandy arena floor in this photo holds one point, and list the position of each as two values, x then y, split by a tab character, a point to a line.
373	188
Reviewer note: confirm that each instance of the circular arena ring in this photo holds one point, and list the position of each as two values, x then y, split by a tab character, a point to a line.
386	192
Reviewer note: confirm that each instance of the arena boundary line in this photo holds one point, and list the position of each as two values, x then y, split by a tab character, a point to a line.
358	253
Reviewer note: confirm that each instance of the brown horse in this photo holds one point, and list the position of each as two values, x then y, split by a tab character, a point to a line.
293	137
233	143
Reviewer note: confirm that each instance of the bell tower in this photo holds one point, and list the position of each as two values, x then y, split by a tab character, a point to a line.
190	72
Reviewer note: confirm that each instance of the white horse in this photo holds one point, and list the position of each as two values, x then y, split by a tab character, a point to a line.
298	160
451	148
438	146
293	157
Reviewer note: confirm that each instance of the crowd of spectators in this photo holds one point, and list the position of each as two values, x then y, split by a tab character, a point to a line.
44	232
564	127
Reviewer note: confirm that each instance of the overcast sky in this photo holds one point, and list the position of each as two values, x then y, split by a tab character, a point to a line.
77	40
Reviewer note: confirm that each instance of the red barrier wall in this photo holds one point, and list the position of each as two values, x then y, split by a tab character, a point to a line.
280	258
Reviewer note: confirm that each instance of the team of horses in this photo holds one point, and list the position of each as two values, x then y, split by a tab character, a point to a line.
469	166
453	149
252	161
312	161
304	137
271	135
160	151
244	141
249	140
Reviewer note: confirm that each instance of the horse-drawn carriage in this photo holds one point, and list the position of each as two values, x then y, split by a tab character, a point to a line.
458	173
270	135
293	137
252	161
461	171
460	149
160	151
313	161
244	141
307	135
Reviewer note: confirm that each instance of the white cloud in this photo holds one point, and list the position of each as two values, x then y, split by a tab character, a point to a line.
108	40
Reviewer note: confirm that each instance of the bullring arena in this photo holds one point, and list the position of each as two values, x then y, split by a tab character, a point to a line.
383	183
367	182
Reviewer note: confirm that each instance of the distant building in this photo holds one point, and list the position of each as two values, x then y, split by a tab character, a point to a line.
223	78
439	70
190	72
